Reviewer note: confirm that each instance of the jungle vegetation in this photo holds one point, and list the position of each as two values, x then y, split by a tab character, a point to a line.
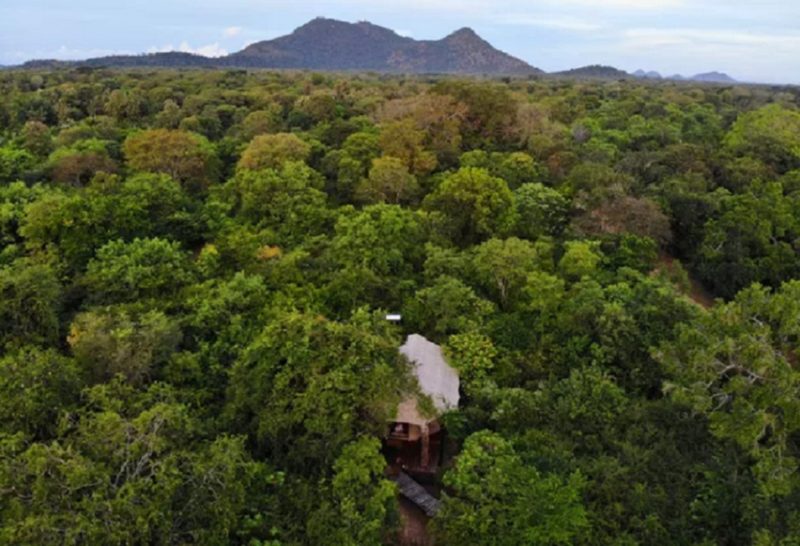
195	267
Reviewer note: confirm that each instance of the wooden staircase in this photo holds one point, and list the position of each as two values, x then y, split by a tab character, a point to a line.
417	494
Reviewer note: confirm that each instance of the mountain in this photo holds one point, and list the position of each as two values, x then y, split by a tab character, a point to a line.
713	77
651	75
709	77
595	71
328	44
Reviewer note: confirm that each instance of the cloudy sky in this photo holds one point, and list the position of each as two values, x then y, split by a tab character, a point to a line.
755	40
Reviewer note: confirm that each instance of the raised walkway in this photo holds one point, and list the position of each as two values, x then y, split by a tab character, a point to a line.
417	494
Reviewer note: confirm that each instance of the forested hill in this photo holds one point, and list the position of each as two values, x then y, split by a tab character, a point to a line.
328	44
196	268
595	71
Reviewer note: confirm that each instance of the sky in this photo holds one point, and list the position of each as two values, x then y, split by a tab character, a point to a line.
757	41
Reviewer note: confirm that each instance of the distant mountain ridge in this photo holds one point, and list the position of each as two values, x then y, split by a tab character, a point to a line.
328	44
332	45
603	72
714	77
708	77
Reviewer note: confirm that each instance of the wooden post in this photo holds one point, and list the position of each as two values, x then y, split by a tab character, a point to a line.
425	455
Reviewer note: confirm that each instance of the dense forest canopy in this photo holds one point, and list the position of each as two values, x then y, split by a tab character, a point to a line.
196	266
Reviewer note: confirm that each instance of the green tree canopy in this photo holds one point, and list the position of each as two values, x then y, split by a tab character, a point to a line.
476	205
497	499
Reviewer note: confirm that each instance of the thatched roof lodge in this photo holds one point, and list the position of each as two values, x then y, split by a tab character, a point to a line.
415	435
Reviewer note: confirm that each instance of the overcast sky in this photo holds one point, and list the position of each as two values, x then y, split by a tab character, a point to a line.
750	40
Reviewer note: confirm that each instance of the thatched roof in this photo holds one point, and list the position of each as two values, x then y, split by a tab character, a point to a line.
436	379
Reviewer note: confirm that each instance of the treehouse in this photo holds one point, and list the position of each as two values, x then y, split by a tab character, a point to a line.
414	440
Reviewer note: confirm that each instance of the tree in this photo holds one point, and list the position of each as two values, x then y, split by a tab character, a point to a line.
476	205
30	302
353	162
617	215
497	499
14	199
503	266
473	355
753	238
402	140
288	201
115	341
222	317
14	163
491	112
143	268
260	122
389	182
37	139
771	133
308	386
541	211
131	470
79	163
580	258
585	407
376	252
440	117
734	365
36	386
363	501
187	157
446	307
594	183
273	151
519	168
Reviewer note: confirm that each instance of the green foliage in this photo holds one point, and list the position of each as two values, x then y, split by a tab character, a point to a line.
476	205
580	259
447	306
196	267
75	226
14	163
185	156
473	355
307	386
502	266
771	134
388	182
375	250
402	140
498	499
31	301
753	239
79	163
141	269
117	341
122	478
541	211
734	365
289	202
35	387
363	501
273	151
